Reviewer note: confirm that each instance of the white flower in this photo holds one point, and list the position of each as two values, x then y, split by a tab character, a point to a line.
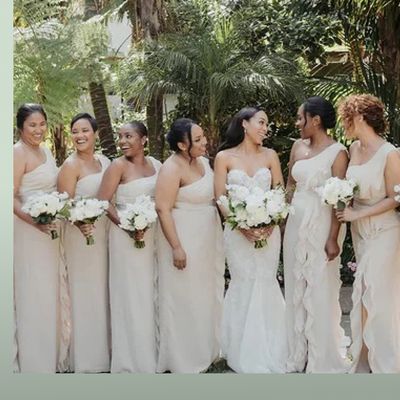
139	215
90	208
254	207
397	190
337	190
45	204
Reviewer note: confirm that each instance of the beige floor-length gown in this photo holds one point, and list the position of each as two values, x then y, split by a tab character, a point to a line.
36	280
88	283
312	284
190	300
377	279
132	288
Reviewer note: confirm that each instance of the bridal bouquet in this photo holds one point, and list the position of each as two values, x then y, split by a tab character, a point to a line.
138	217
254	208
397	190
337	192
87	211
45	208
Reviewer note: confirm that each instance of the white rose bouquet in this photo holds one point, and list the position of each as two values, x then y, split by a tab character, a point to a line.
87	211
137	218
45	208
254	208
337	192
397	190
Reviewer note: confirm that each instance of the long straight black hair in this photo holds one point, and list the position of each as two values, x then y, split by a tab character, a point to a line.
235	132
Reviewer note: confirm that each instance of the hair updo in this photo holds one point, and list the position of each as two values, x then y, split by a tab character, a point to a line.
180	131
26	110
318	106
370	107
138	127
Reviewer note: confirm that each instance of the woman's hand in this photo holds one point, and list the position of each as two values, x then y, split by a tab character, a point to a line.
46	228
255	234
349	214
332	249
86	229
138	235
179	257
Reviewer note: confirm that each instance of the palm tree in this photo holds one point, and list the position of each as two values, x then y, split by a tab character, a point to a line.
43	73
96	78
147	18
210	73
371	33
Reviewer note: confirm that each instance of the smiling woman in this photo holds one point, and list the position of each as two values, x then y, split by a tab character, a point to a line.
36	256
253	324
87	266
189	252
132	270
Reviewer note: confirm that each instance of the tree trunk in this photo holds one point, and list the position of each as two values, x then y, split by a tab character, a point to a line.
154	112
60	147
147	20
100	108
389	43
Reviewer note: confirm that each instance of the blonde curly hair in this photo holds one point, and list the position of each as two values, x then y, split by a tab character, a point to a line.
370	107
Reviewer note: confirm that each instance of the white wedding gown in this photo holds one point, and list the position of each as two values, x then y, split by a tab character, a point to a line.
253	326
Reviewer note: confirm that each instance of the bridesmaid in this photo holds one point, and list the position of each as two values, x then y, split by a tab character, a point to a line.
132	270
375	226
253	327
312	246
190	256
36	255
87	266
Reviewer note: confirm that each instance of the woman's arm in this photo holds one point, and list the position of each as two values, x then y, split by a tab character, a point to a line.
220	176
392	178
68	178
291	183
109	184
276	170
339	168
167	187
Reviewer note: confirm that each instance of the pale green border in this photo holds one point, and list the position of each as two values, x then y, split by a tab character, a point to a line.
103	386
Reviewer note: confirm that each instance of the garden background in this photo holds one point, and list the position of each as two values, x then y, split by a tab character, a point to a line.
155	60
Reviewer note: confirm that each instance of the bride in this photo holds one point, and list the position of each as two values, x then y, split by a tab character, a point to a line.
253	325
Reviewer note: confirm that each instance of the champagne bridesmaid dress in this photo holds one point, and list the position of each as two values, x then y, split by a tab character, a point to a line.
132	288
312	284
190	300
377	279
37	267
88	283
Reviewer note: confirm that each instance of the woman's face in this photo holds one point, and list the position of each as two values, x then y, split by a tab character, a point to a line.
34	129
130	142
352	126
83	136
256	127
199	142
304	123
